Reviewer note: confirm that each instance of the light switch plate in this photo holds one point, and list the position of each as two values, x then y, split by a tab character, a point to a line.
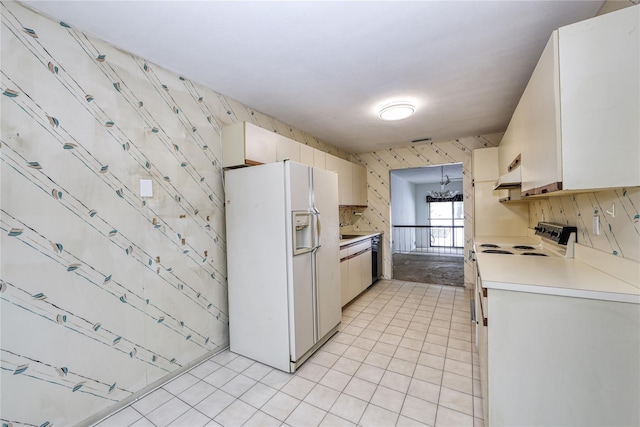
146	188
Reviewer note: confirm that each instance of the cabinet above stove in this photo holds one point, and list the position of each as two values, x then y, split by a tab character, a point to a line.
577	122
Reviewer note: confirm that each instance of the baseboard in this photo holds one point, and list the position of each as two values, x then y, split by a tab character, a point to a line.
105	413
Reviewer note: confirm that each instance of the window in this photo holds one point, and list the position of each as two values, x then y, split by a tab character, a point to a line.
445	218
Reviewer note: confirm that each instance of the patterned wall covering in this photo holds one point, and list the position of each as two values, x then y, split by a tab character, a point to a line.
379	163
102	292
620	233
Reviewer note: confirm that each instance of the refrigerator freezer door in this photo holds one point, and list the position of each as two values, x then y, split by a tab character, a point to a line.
303	324
299	183
258	254
302	311
328	289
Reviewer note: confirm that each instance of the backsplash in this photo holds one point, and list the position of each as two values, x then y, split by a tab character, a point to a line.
102	292
619	218
349	215
379	163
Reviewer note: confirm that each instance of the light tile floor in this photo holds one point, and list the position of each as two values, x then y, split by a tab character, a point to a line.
403	357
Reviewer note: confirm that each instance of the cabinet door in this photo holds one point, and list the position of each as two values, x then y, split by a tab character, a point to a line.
537	119
344	282
319	159
306	155
365	270
600	87
338	165
359	184
287	149
233	145
485	164
345	182
260	144
355	285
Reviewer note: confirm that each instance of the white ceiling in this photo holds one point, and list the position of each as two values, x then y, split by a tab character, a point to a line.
325	66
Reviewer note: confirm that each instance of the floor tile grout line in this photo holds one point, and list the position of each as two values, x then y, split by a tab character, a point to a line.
377	387
400	301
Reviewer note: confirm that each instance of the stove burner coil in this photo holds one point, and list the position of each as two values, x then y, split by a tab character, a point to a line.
533	254
497	251
490	245
524	247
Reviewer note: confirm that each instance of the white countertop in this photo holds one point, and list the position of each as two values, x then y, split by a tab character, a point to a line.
361	236
552	276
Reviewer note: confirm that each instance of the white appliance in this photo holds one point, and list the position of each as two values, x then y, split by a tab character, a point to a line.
557	334
283	261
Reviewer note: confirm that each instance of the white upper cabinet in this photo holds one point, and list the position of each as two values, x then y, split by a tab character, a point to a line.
535	124
485	165
345	186
287	149
246	144
319	159
358	185
600	101
306	154
577	121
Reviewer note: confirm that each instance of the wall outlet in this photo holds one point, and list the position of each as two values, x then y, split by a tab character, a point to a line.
596	225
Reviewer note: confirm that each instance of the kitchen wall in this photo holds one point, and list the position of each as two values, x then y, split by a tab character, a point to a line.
620	234
403	212
104	293
620	231
403	205
380	163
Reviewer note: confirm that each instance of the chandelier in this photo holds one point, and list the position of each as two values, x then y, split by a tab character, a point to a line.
442	194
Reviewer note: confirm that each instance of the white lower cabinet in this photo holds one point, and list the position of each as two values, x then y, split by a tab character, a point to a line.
355	269
365	269
355	286
550	360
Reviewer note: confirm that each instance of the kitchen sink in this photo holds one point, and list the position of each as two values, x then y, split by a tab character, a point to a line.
349	236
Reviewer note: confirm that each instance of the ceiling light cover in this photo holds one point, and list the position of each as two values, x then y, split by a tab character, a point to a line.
397	111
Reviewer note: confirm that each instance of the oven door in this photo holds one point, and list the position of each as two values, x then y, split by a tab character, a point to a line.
482	337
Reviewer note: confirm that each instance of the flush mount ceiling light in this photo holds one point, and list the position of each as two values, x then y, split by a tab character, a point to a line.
396	111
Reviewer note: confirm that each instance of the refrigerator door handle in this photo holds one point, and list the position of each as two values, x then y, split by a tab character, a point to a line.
314	295
318	230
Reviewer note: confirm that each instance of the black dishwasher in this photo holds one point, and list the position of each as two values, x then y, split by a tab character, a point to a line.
376	255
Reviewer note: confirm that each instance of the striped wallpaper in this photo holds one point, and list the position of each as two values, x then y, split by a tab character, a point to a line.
378	163
102	292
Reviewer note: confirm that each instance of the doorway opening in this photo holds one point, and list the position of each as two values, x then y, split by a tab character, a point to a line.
427	224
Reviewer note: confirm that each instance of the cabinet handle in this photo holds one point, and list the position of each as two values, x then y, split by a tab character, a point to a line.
485	320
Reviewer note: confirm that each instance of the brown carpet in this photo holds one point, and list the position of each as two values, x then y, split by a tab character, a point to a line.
436	269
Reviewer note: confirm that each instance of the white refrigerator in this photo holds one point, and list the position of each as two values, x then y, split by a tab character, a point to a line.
283	265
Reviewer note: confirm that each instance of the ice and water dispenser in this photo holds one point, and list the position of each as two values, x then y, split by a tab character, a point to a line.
303	237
